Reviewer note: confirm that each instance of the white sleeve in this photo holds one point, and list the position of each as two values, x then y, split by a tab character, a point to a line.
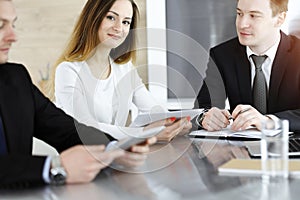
143	99
70	96
66	85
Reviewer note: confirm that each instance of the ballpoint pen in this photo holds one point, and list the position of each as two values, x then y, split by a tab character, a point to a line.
240	112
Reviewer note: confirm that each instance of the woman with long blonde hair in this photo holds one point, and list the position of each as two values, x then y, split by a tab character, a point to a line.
95	80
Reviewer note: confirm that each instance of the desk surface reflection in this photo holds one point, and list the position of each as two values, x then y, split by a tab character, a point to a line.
186	168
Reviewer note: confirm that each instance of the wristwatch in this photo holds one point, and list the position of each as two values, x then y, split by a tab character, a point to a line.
58	174
201	117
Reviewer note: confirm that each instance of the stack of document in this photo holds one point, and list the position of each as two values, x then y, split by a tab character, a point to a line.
251	133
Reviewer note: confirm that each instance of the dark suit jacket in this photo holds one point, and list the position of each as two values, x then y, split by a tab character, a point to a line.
26	113
229	75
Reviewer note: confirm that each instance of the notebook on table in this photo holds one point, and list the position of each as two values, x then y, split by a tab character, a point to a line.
249	134
252	167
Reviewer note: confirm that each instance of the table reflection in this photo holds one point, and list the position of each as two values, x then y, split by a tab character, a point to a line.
186	168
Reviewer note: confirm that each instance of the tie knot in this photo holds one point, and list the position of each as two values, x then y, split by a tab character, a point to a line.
258	60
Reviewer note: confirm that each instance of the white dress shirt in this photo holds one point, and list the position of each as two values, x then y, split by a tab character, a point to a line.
267	65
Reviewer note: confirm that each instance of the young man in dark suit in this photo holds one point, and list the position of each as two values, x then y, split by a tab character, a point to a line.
26	113
232	71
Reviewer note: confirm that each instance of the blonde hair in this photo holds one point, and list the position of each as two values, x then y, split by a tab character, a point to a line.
84	39
278	6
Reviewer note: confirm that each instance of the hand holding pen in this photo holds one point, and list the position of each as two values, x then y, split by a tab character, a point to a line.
215	119
240	112
245	116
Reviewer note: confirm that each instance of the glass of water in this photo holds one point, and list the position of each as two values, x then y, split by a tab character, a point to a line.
274	149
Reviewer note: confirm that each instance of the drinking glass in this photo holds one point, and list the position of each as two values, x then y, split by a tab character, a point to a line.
274	149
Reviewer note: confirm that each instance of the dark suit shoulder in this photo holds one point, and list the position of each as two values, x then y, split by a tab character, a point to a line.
13	73
227	51
234	42
294	42
11	66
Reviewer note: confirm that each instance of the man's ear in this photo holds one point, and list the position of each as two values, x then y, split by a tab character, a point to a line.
280	19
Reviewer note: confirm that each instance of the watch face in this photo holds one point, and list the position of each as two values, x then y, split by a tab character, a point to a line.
58	176
59	179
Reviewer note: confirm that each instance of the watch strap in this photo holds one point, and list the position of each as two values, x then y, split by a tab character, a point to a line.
58	174
201	117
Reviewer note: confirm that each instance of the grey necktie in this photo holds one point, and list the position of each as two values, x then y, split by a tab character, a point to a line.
259	85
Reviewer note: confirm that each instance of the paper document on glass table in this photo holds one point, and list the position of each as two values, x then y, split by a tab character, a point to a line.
227	133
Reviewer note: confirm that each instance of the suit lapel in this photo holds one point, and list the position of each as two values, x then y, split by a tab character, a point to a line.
278	68
243	74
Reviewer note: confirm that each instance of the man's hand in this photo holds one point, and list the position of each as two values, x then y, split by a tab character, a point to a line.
137	154
216	119
245	116
83	163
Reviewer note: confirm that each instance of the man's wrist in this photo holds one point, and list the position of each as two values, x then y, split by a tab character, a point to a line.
275	120
201	117
57	173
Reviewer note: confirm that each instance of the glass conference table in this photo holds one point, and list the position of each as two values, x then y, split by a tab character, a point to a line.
186	168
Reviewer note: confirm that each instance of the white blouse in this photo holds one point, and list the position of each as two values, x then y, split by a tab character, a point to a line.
103	104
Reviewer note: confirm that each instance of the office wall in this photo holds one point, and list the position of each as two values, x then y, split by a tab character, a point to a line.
293	18
43	28
208	22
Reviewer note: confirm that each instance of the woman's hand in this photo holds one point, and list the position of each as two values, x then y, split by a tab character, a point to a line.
173	128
